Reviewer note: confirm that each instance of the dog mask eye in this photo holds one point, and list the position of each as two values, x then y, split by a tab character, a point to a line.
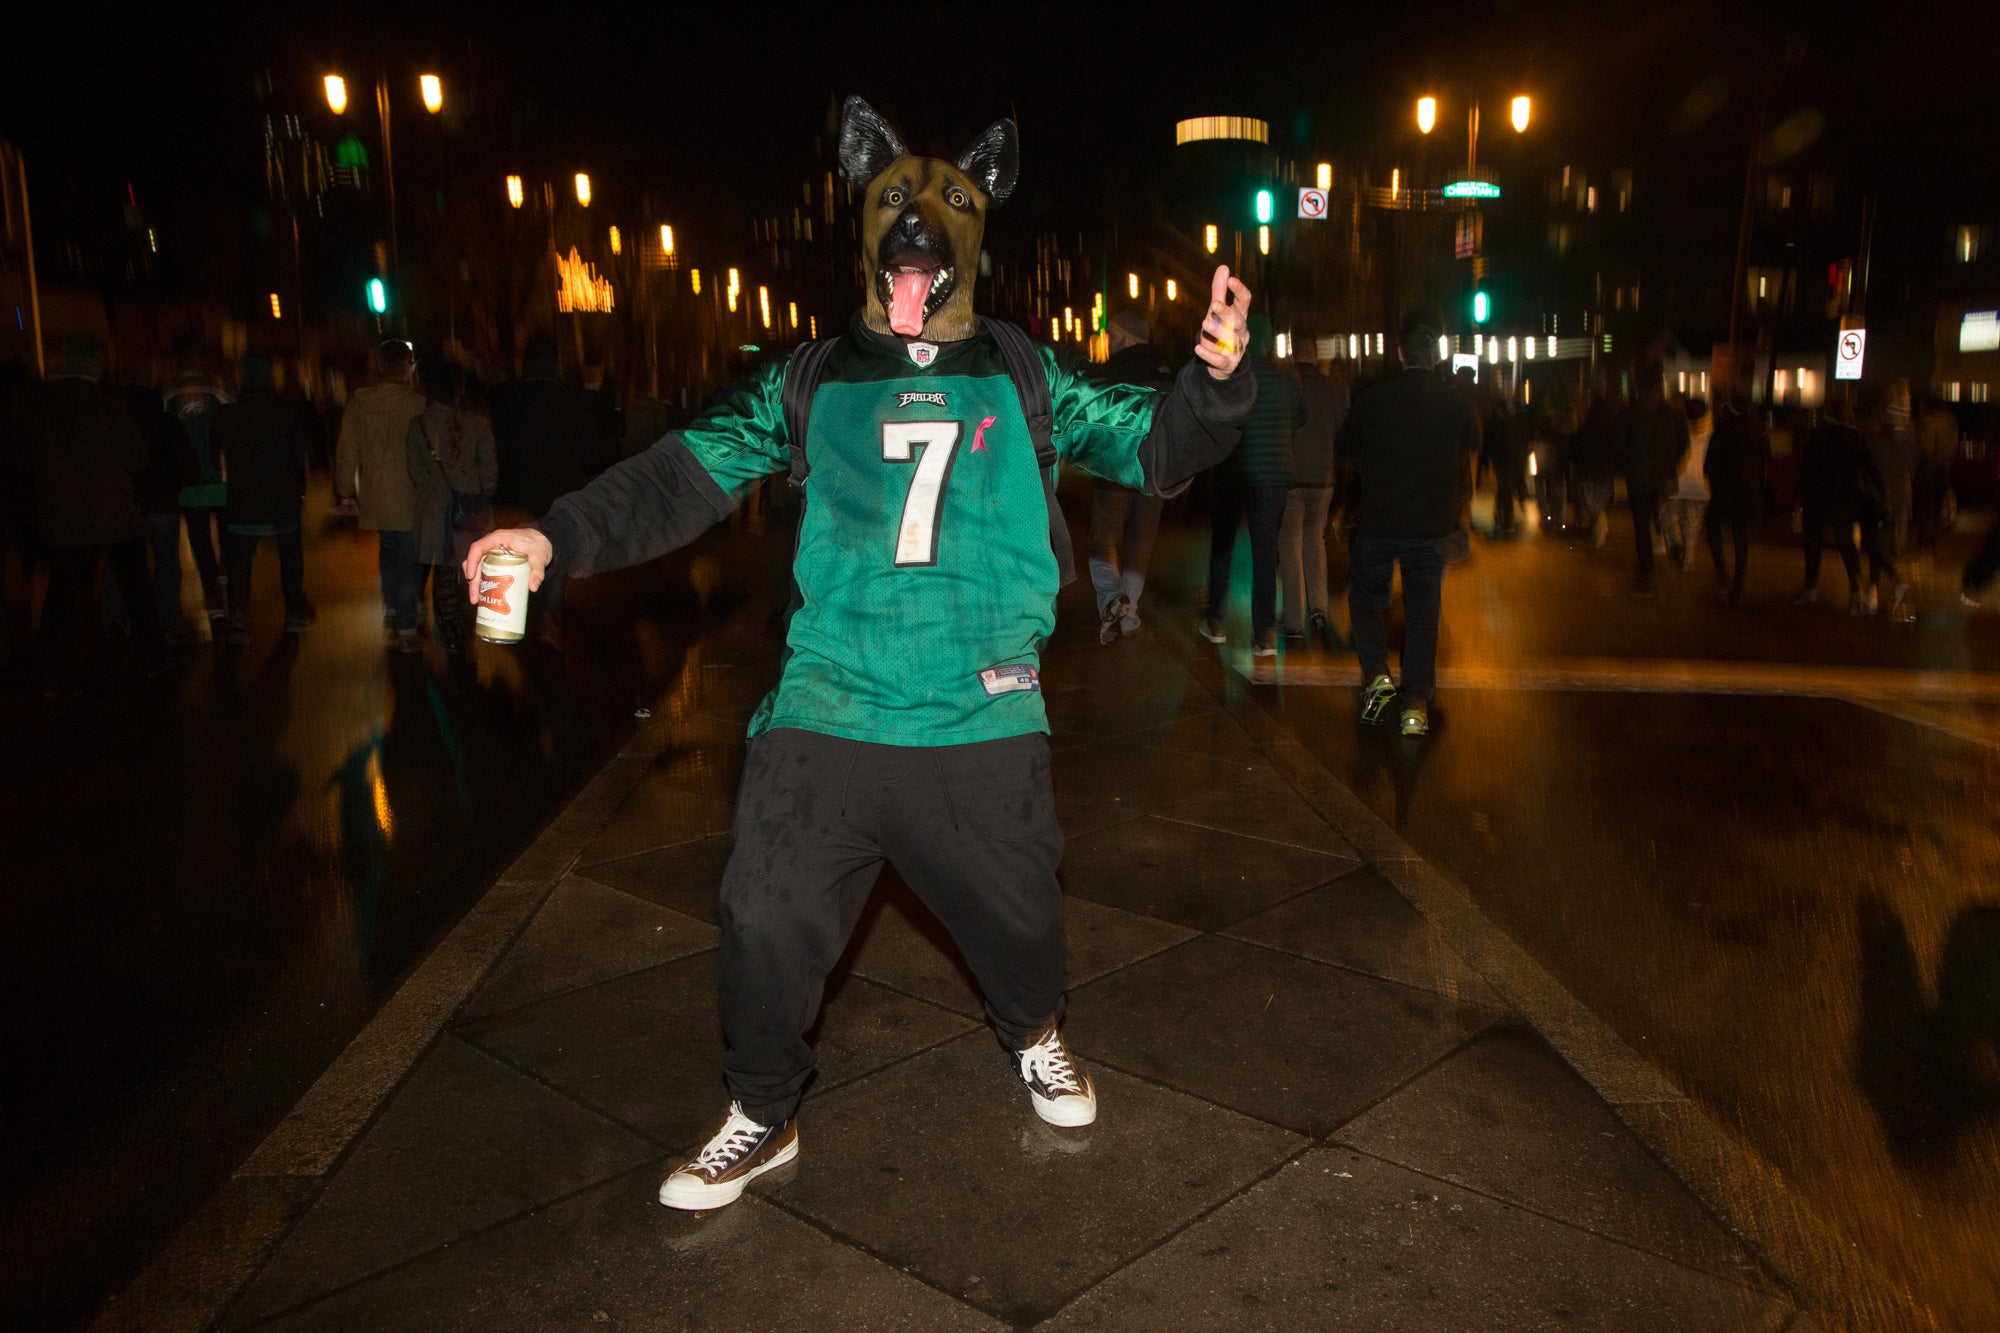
893	198
957	199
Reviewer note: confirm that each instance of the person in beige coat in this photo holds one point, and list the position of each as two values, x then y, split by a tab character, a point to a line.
371	472
452	463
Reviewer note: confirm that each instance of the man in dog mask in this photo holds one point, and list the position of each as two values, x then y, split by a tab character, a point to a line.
907	725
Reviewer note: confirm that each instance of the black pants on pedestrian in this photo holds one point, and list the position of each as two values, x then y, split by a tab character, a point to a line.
1645	523
1265	508
72	574
1739	534
1372	569
971	828
206	542
1819	529
241	549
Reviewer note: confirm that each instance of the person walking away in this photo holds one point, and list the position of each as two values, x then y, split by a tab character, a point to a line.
74	437
1123	521
1893	448
1251	485
1595	462
1681	513
453	466
1411	442
1734	467
171	466
264	440
1834	466
1308	502
1652	437
193	400
371	469
1555	454
1937	441
542	436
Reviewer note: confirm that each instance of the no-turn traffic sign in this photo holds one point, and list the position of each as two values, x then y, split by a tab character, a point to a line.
1312	203
1847	361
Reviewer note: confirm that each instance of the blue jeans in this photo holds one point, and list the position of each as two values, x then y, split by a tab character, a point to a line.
1372	566
1264	506
402	582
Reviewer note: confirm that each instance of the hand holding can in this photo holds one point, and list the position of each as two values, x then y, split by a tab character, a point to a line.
501	591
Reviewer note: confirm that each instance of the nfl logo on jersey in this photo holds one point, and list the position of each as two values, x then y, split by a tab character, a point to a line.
923	353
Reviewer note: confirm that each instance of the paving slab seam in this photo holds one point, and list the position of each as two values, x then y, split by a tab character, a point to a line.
209	1260
1728	1177
1775	1287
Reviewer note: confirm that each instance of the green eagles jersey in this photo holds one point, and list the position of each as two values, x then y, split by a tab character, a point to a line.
927	586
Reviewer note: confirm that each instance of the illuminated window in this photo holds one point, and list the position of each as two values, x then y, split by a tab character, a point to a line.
1590	200
1978	394
1966	244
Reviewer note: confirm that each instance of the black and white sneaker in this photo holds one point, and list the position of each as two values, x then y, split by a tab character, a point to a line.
1061	1092
1114	611
737	1152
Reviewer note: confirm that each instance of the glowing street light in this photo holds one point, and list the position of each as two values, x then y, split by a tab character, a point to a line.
792	309
1173	292
1325	176
764	305
695	276
666	239
1132	285
1521	106
515	194
1208	237
617	242
433	93
277	310
1427	113
336	93
583	188
1263	240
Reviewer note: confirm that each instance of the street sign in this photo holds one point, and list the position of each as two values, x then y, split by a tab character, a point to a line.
1847	361
1472	190
1312	203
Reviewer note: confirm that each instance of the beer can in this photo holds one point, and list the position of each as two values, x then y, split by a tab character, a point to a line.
503	597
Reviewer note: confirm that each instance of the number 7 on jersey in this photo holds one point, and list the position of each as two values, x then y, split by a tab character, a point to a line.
916	534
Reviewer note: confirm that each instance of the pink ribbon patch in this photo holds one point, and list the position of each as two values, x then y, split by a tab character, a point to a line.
979	437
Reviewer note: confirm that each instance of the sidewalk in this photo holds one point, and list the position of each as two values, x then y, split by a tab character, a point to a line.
1315	1113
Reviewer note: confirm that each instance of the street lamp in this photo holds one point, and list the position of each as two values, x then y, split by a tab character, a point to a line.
1173	292
1521	105
1427	118
1132	285
1427	113
515	195
336	93
617	242
433	92
583	188
667	240
1208	237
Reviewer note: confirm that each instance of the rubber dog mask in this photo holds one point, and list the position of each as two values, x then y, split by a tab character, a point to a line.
922	221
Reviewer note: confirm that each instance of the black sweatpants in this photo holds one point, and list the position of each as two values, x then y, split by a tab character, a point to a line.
971	828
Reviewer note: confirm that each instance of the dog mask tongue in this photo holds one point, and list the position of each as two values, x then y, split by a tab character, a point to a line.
907	293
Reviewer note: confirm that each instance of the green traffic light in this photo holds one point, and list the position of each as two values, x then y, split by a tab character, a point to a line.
1481	307
1263	205
378	295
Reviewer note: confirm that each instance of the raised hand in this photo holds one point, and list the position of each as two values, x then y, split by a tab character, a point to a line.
1225	329
521	541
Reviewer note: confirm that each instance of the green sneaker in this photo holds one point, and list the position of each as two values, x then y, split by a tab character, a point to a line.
1375	700
1416	720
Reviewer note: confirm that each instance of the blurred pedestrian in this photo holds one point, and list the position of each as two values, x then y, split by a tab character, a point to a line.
1504	436
193	400
1595	461
1681	512
1123	521
1734	466
266	443
372	471
74	437
1893	448
1651	440
1835	471
1250	486
1309	501
1555	452
600	404
544	436
1937	450
452	464
1411	442
170	466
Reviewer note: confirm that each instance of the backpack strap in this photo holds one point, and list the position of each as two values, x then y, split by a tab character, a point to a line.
802	375
1031	384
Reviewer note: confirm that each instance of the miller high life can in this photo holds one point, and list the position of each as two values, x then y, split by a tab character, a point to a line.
503	597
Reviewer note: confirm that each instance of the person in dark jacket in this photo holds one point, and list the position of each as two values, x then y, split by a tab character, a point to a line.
1411	442
1835	474
73	436
264	441
193	400
1893	448
1652	436
170	466
450	453
1123	522
544	437
1594	463
1734	466
1302	534
1252	484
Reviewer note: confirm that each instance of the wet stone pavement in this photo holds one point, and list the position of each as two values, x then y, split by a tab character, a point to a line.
1315	1113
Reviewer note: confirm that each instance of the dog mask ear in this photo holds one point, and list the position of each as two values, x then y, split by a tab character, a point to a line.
994	161
867	144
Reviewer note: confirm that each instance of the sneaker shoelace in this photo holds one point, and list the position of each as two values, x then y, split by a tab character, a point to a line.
1050	1061
736	1137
